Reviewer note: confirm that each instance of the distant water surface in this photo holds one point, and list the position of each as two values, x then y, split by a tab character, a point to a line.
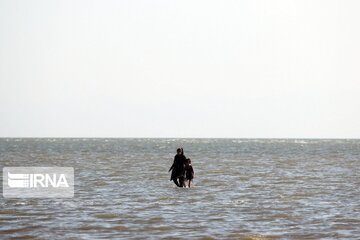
252	189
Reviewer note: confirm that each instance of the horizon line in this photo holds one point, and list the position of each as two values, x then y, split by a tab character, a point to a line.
289	138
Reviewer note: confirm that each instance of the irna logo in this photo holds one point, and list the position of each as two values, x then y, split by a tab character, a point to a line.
38	182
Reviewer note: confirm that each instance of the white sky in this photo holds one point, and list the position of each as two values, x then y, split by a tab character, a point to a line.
251	68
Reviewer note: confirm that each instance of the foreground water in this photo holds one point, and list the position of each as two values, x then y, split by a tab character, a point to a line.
251	189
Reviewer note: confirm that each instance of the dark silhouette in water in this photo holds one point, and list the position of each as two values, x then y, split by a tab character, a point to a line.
178	168
189	171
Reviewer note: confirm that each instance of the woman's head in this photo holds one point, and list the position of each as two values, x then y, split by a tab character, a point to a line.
178	151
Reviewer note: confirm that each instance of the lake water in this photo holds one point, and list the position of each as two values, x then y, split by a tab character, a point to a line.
243	189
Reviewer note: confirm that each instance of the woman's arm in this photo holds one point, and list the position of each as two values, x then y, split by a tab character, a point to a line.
172	166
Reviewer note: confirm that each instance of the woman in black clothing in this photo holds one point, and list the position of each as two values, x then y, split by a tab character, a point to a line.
178	168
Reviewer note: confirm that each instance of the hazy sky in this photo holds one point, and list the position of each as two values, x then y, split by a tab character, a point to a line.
251	68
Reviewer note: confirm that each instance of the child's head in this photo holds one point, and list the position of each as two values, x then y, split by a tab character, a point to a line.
188	161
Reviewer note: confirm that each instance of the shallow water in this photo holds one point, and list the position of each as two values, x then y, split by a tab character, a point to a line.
252	189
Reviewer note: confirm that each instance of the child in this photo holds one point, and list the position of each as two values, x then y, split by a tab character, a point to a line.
189	171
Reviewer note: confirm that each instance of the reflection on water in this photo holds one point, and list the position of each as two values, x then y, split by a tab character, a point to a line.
253	189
